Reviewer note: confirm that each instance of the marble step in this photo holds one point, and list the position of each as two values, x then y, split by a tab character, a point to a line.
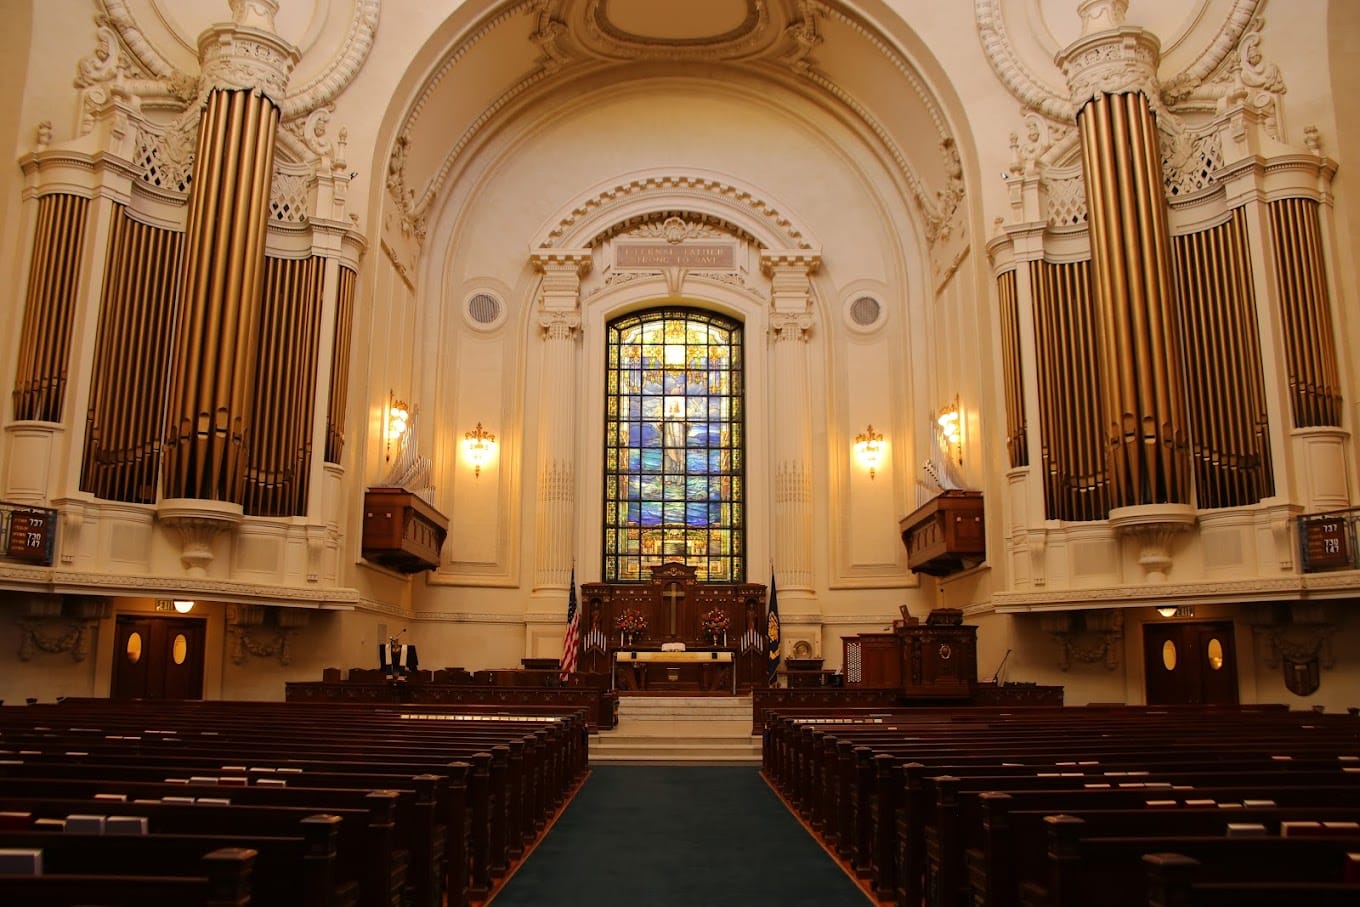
680	708
663	750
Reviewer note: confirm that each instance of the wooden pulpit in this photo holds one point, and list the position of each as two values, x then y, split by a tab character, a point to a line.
401	531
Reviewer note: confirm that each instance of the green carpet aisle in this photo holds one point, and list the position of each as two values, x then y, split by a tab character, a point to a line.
661	836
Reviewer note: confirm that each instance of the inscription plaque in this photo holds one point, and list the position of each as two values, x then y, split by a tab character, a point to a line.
713	256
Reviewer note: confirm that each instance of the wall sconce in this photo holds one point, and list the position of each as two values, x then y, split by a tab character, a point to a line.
950	429
398	416
1184	611
480	445
869	449
183	607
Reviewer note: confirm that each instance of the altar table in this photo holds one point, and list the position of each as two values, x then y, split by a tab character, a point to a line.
706	670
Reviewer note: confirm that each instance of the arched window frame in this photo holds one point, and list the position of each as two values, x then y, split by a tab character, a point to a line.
674	444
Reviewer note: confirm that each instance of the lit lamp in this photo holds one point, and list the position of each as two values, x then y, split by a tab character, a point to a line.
398	415
948	420
869	449
183	607
1168	612
479	445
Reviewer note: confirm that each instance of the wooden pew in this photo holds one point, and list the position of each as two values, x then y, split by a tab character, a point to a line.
224	881
521	778
1110	872
854	779
288	871
1173	881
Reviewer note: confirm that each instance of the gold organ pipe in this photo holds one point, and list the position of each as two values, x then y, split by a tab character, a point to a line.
1240	268
1306	312
45	338
1142	403
128	380
335	421
285	386
1074	464
1225	381
1295	316
1011	370
211	405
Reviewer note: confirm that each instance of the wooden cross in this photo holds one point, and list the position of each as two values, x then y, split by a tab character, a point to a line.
673	595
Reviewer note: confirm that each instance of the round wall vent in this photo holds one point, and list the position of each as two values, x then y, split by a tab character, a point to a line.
865	311
484	311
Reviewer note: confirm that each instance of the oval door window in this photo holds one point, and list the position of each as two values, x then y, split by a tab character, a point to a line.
1169	655
1214	652
134	647
180	650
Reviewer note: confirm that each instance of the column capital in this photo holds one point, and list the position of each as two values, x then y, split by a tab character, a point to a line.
1117	60
802	262
790	272
562	271
246	53
791	326
559	325
550	261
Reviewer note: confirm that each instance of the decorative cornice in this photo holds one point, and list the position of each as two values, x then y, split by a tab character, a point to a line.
246	54
626	194
72	582
1120	60
321	90
1030	89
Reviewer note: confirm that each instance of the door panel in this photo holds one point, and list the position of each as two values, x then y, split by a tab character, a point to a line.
1190	663
158	658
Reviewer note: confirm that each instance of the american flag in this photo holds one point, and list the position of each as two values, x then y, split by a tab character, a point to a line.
572	641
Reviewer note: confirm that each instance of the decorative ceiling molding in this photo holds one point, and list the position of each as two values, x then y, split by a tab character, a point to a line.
602	35
624	204
569	34
321	90
1032	90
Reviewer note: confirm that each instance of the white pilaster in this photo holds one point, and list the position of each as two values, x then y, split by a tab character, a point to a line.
555	471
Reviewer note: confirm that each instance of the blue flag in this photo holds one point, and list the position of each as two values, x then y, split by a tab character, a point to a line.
773	645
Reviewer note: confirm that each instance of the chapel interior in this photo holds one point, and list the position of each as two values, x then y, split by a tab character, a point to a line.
334	322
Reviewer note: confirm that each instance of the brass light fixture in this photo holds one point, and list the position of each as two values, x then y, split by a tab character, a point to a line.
480	446
398	416
869	449
951	430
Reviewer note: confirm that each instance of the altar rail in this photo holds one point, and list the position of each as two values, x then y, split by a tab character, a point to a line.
601	705
763	701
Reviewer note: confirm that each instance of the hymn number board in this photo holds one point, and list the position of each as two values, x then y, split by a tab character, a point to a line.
1326	543
30	535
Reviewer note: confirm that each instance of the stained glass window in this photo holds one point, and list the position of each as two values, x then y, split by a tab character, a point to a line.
674	464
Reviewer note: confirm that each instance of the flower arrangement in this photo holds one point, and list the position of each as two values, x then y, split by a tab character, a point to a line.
631	621
714	621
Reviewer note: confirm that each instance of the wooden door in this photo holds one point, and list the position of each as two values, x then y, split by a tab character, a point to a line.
158	658
1190	663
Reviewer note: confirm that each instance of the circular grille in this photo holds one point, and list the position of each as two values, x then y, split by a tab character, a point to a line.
865	311
484	308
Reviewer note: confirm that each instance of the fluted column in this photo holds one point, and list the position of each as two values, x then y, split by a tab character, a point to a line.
560	321
1112	73
245	69
790	414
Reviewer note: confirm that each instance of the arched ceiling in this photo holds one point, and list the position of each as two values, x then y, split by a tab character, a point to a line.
520	52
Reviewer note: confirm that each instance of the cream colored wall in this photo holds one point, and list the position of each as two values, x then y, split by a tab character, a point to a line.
413	341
